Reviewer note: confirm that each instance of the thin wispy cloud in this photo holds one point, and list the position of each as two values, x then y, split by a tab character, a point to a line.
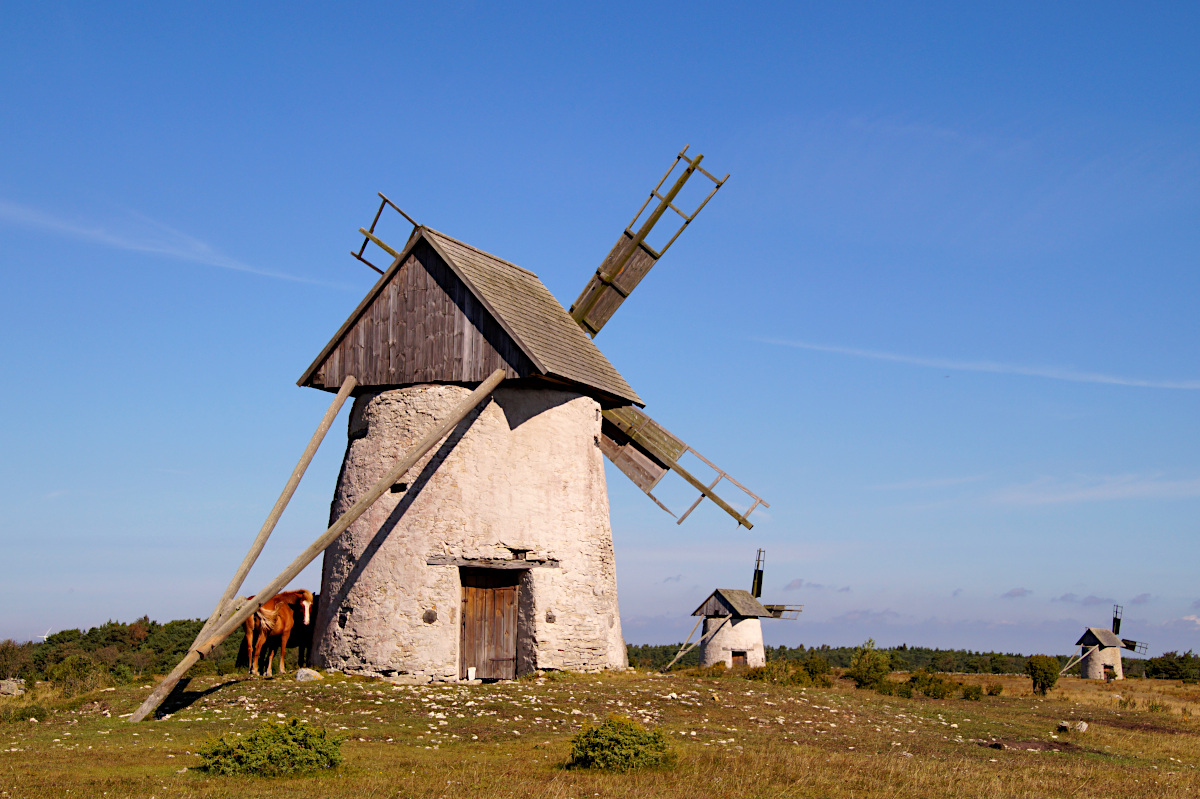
992	367
150	237
1016	593
1049	491
919	485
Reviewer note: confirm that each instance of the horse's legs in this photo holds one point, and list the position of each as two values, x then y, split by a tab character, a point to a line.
249	627
283	639
258	645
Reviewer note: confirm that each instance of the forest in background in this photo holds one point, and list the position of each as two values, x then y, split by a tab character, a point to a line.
117	652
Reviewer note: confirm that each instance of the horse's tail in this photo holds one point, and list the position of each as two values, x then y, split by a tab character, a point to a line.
267	619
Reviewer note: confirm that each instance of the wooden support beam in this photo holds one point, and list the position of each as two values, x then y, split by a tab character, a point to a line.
348	385
234	621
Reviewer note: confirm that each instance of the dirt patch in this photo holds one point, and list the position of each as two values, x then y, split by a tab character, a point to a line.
1145	726
1033	746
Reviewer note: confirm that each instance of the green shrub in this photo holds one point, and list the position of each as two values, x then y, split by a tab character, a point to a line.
1043	670
272	750
619	744
973	693
995	689
16	660
869	667
932	685
10	714
715	670
1155	706
78	674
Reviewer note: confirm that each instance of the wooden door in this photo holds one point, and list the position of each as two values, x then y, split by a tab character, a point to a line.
489	623
739	658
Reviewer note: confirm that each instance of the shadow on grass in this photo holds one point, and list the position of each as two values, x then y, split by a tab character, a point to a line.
181	698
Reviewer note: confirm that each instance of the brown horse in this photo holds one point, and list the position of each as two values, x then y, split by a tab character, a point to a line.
275	619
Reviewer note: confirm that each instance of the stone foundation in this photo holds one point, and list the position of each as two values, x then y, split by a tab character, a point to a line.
522	479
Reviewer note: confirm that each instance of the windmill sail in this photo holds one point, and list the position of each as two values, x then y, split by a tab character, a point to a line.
644	450
632	256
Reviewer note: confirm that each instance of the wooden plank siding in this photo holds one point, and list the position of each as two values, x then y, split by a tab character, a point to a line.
423	326
488	641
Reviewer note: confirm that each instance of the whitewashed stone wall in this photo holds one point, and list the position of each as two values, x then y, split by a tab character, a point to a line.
1092	666
735	634
525	473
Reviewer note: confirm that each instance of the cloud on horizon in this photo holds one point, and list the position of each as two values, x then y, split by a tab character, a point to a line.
1016	593
1140	599
154	238
798	583
992	367
1089	600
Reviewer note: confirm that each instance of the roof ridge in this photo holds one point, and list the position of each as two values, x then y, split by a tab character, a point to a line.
481	252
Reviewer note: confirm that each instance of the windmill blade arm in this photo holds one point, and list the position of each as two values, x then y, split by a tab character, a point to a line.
1139	647
632	257
644	450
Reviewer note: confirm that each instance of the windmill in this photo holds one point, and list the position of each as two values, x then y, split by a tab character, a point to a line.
46	634
469	533
495	557
732	620
1098	651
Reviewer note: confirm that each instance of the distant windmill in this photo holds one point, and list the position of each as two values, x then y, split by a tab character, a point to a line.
1098	651
733	624
46	634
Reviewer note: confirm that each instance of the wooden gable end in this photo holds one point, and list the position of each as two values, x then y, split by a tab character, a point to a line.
423	325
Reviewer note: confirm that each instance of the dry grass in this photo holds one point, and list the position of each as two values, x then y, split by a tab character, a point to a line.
733	737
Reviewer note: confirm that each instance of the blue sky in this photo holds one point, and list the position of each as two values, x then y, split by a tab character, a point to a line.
942	316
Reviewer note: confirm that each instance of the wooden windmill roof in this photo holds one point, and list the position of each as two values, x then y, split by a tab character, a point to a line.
475	306
1095	636
731	602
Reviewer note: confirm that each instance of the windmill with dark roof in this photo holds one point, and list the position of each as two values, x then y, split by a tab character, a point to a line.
732	619
494	556
1098	651
469	533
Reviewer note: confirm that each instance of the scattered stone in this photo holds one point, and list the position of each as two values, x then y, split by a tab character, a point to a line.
308	675
12	687
1067	726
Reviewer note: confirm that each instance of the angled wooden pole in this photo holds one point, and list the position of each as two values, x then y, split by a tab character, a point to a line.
234	621
222	608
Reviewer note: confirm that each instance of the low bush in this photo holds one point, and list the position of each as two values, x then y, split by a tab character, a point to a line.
932	685
272	750
995	689
869	667
715	670
973	693
813	671
1043	670
78	674
11	713
619	744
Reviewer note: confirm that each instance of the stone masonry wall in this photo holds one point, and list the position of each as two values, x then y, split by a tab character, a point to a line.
525	473
740	634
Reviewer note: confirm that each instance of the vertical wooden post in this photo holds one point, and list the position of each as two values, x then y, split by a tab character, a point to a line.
230	623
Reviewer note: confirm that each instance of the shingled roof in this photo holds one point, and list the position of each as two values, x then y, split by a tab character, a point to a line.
1097	636
732	602
526	310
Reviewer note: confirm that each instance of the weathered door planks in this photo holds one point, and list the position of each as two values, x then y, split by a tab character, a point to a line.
489	623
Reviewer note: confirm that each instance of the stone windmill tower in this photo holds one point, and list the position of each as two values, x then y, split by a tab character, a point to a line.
1098	651
732	620
494	557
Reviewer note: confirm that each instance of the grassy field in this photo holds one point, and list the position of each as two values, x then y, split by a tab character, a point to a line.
733	738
